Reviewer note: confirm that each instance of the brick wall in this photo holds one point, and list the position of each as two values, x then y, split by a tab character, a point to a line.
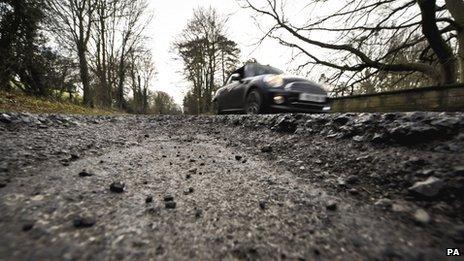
437	98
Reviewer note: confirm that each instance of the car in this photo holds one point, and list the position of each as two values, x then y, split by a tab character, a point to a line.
257	89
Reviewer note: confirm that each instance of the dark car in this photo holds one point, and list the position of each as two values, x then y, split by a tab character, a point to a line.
257	88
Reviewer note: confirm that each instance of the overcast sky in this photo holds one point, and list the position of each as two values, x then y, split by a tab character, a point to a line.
171	16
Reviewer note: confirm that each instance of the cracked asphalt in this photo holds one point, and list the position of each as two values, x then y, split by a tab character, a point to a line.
272	187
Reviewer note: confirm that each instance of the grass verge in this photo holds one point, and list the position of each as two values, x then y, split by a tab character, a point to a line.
19	102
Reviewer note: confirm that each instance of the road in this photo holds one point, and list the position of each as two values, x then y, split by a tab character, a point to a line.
297	187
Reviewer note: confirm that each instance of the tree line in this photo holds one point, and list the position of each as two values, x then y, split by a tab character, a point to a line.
208	55
370	45
90	48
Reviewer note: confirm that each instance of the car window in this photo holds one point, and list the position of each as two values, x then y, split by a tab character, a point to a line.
239	71
258	69
229	81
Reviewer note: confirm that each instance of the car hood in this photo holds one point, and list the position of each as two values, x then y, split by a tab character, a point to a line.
289	79
298	84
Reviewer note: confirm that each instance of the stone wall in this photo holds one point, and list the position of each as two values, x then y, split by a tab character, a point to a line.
437	98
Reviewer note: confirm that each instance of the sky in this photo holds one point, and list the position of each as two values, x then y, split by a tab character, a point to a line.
171	17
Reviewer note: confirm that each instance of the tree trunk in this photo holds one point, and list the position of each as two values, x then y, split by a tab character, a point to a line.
442	50
85	77
105	88
121	76
456	8
145	100
223	68
461	56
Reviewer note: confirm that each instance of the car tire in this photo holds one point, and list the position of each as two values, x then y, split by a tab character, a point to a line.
253	103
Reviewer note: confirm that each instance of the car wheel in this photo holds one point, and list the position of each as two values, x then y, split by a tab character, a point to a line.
253	103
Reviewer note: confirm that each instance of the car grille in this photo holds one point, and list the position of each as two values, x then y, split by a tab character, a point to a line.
295	101
304	87
307	105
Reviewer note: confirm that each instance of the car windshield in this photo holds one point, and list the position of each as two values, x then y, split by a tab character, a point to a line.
257	69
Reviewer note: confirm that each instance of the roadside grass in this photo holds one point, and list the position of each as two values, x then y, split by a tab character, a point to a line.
16	101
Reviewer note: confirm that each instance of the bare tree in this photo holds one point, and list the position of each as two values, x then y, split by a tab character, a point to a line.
72	21
102	33
208	55
456	8
355	36
229	57
141	71
162	103
436	42
133	26
106	18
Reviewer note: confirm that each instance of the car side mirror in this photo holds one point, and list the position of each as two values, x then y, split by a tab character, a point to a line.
235	77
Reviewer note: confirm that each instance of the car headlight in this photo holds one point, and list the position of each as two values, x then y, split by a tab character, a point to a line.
274	80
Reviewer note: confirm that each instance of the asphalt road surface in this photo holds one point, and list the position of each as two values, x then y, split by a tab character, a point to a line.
273	187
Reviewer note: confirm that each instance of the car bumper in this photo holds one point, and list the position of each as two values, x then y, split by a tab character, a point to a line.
293	104
300	108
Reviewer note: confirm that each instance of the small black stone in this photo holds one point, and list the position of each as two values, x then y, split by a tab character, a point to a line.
188	176
5	118
238	157
266	149
170	204
198	213
85	173
188	191
168	198
147	136
117	187
352	179
262	205
331	205
28	226
83	222
74	156
160	250
164	156
149	199
342	120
